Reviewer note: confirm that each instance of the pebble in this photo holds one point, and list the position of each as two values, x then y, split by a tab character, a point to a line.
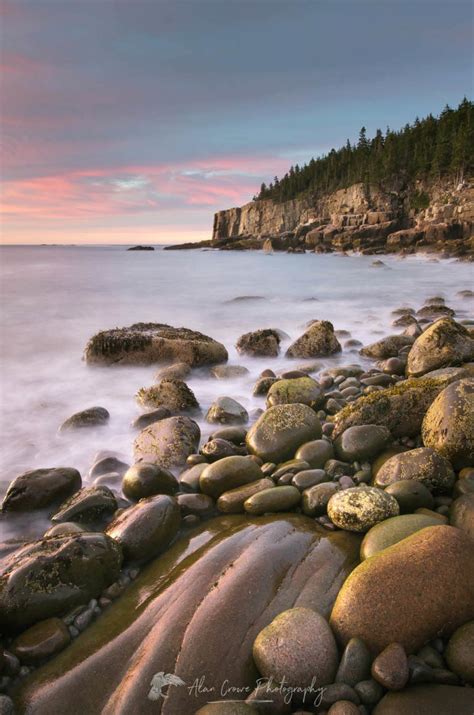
369	691
355	663
390	667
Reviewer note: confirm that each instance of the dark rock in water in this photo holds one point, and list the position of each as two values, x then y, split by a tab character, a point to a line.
233	434
428	700
263	385
168	442
448	426
199	505
280	430
286	649
216	449
92	417
145	480
41	488
228	473
87	505
66	527
227	411
226	372
172	394
387	347
146	529
405	594
49	577
41	641
278	563
141	248
319	340
244	298
148	418
443	344
261	343
303	390
423	465
176	371
107	465
315	499
150	343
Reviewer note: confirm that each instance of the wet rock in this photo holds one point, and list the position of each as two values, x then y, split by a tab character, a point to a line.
280	430
178	371
217	449
107	465
41	641
225	410
48	577
189	479
316	453
40	488
423	465
400	408
459	652
232	501
390	667
168	442
303	390
148	418
227	372
448	425
92	417
405	593
286	649
112	480
315	499
277	562
318	340
309	478
263	385
361	442
461	513
387	347
443	344
355	663
151	343
228	473
427	700
273	500
199	505
411	495
88	505
174	395
260	343
360	508
369	691
145	480
234	434
146	529
67	527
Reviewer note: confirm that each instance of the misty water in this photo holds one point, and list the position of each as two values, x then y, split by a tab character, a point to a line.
55	298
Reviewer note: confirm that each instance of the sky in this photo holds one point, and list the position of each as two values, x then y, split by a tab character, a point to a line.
131	121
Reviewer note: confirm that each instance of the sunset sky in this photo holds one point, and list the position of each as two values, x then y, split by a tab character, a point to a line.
134	121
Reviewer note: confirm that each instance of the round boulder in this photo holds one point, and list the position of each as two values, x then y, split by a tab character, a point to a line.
423	465
228	473
172	394
316	453
318	340
168	442
145	480
442	344
391	531
280	430
459	653
92	417
40	488
361	442
303	390
360	508
260	343
227	411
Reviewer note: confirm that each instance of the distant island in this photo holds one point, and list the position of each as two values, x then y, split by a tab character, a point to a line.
400	191
141	248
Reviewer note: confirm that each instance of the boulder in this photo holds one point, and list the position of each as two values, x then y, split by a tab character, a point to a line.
409	593
88	505
49	577
146	529
178	371
423	465
278	433
192	595
318	341
227	411
41	488
303	390
387	347
360	508
151	343
428	699
391	531
92	417
442	344
299	647
400	408
145	480
361	442
172	394
448	426
168	442
228	473
260	343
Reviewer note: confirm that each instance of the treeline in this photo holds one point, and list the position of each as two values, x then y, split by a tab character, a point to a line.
433	147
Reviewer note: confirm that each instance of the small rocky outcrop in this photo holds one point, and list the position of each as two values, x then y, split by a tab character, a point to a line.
260	343
140	248
442	344
92	417
168	442
318	341
151	343
170	393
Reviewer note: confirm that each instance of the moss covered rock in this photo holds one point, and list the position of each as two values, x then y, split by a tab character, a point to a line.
423	465
444	343
227	411
228	473
168	442
278	433
173	394
387	347
151	343
448	426
260	343
303	390
319	340
360	508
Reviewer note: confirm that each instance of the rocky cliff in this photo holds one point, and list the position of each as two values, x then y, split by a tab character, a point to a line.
371	219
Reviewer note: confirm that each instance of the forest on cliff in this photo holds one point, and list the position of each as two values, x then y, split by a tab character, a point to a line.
430	148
